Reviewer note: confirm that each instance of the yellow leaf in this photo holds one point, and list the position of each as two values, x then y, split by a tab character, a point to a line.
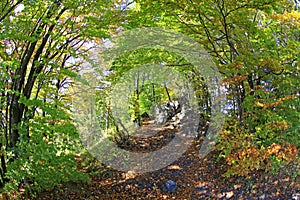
259	104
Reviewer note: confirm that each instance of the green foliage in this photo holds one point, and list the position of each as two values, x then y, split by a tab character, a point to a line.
244	153
147	100
46	159
42	46
254	43
143	56
43	170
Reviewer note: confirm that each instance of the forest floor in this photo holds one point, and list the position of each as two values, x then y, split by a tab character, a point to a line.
195	179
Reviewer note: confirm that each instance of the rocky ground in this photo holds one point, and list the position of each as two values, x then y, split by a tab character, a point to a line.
194	179
189	177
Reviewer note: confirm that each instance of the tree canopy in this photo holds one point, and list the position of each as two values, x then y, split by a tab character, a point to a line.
44	45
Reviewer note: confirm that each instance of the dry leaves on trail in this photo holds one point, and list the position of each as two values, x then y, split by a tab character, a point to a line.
195	178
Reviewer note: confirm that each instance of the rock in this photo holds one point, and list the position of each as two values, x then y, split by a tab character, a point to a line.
168	186
164	112
159	115
171	186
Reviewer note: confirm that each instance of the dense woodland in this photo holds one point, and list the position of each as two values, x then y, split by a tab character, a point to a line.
45	45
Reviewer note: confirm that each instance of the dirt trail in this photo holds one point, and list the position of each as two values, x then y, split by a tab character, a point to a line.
195	179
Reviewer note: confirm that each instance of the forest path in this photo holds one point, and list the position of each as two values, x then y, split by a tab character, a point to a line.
195	178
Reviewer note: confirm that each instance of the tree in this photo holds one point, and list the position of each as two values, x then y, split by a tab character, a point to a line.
42	45
254	43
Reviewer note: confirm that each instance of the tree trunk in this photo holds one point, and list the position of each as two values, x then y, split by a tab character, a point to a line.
136	103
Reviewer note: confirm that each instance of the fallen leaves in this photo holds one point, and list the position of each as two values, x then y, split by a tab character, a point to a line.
129	175
174	167
195	178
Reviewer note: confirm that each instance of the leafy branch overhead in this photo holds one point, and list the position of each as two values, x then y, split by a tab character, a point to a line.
47	46
42	46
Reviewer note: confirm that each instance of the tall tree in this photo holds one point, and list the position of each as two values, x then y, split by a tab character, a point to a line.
256	47
42	45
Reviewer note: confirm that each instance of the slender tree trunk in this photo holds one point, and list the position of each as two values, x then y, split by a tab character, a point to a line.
136	102
167	91
153	93
16	113
3	167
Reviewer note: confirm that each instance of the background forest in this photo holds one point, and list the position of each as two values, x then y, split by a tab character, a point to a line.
255	45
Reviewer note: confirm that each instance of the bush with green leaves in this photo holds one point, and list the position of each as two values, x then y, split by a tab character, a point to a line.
44	156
